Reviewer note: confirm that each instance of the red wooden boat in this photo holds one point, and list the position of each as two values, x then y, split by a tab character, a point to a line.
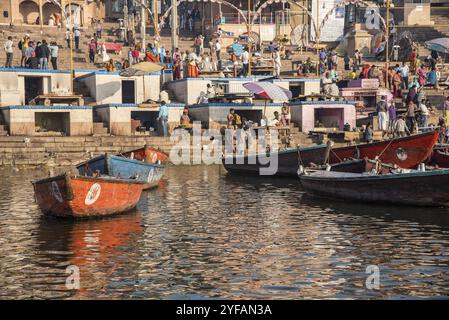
147	154
406	152
80	197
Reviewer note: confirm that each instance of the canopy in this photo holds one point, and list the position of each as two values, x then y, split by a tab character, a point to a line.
268	90
139	69
439	45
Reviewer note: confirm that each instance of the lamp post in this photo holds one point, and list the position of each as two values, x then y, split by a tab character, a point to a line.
71	47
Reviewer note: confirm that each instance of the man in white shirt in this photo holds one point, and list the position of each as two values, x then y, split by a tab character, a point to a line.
9	49
277	63
424	114
245	62
217	49
404	75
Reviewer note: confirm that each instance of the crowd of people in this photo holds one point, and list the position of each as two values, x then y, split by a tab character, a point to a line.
34	54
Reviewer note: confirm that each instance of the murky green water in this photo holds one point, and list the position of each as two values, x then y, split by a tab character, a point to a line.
204	234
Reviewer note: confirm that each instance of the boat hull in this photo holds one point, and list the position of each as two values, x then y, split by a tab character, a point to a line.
287	160
406	152
147	154
417	188
440	157
148	173
83	197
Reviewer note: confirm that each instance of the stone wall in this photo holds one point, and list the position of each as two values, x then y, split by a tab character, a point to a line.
62	151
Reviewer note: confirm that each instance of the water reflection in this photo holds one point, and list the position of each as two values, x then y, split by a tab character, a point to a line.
205	234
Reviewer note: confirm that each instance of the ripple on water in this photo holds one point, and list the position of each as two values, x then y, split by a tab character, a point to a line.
203	234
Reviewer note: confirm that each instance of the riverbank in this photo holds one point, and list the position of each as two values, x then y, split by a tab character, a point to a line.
66	151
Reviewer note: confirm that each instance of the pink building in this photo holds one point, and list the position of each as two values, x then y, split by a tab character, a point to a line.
365	93
309	115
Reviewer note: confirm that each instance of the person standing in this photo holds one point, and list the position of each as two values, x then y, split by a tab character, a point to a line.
381	109
217	49
400	128
245	62
23	46
163	118
197	45
424	116
277	63
54	49
9	49
98	28
410	120
392	112
92	51
77	34
404	76
44	54
67	38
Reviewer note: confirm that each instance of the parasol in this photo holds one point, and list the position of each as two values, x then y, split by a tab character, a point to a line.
439	45
268	91
141	68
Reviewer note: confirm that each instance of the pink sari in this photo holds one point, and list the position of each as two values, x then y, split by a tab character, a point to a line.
422	77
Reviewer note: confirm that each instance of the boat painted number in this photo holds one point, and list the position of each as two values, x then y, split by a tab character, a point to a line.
401	154
93	194
55	191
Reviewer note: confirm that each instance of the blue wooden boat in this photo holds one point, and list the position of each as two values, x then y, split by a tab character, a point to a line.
120	167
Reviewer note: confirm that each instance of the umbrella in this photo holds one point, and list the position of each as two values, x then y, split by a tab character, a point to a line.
268	90
139	69
439	44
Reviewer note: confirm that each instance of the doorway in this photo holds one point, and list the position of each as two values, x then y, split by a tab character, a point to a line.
128	91
34	86
329	118
144	120
296	88
53	122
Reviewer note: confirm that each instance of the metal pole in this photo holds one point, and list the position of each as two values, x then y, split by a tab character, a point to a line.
156	25
248	24
71	47
317	37
387	44
174	26
142	25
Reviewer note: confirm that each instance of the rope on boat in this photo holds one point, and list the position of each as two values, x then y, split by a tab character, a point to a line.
389	143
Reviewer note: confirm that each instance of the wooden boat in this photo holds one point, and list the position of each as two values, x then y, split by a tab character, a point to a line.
81	197
147	154
287	161
406	152
440	156
409	187
120	167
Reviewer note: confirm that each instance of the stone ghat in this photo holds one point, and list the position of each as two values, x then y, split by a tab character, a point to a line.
67	151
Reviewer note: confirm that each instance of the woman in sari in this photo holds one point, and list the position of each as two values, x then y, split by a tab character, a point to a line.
192	69
422	75
177	68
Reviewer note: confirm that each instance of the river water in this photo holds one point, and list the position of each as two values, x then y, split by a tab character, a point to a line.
204	235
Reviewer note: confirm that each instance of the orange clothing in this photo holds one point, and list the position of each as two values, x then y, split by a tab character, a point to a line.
192	71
